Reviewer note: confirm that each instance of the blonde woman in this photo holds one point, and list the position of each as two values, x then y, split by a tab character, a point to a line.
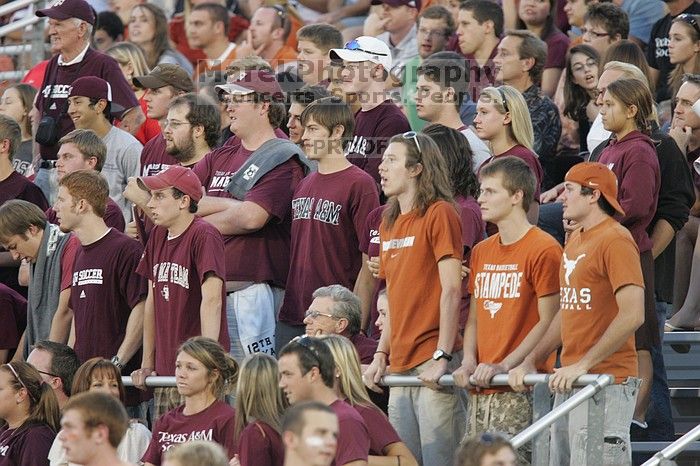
259	409
204	373
197	453
502	119
683	49
386	448
133	63
17	102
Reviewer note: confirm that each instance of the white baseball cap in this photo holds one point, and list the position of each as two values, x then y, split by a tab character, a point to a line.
364	48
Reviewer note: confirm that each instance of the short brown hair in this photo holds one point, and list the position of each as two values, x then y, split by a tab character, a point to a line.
197	453
448	69
323	36
89	144
99	409
10	130
531	46
439	12
249	63
330	112
96	367
517	176
17	216
88	185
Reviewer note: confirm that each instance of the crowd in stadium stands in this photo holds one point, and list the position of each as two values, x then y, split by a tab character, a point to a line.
279	202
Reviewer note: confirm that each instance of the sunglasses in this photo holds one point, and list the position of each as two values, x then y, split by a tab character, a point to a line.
690	19
503	98
282	13
310	346
355	45
413	135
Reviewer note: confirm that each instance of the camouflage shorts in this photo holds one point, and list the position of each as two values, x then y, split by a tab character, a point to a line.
165	399
506	413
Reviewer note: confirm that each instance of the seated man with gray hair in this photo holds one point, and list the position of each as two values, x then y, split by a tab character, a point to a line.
336	310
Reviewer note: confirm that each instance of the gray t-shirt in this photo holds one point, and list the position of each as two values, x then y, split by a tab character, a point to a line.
123	160
22	161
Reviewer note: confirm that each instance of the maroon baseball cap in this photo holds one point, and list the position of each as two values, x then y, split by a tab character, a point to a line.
175	176
95	88
64	9
258	81
410	3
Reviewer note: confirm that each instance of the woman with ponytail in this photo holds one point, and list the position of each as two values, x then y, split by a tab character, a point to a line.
204	373
385	445
30	410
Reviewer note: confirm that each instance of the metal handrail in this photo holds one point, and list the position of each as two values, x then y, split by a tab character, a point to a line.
14	6
19	24
675	448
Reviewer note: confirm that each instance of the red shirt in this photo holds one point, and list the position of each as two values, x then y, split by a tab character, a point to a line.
381	432
154	159
369	244
176	31
353	437
113	216
13	314
260	445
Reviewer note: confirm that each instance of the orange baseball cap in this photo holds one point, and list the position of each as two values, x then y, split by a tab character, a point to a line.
595	175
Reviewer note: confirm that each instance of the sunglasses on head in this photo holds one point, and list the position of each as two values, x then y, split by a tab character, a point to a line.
355	45
503	98
690	19
413	135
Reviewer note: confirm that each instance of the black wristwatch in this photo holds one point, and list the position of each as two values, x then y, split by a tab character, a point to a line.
115	360
440	354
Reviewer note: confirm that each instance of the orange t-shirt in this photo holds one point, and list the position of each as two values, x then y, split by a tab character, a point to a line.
507	281
283	55
409	256
596	263
213	70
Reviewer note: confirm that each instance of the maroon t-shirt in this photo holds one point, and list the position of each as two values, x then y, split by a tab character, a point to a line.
17	186
381	432
154	159
26	446
177	267
353	437
52	99
113	216
369	244
214	424
328	217
104	291
529	157
634	161
473	230
557	46
235	141
261	256
13	315
373	129
260	445
365	346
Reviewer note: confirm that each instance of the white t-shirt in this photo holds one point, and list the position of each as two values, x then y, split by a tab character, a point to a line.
479	149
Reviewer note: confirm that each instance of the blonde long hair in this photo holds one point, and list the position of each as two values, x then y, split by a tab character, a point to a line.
520	127
258	396
348	373
675	78
217	361
125	53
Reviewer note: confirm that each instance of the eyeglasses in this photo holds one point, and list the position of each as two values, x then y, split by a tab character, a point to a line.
355	45
281	12
690	19
590	63
413	135
14	372
432	34
597	35
503	98
315	314
48	373
173	125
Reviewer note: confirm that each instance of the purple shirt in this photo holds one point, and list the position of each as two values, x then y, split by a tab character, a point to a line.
113	216
17	186
215	424
261	256
353	437
104	291
154	159
473	230
13	315
373	129
260	445
177	268
365	346
381	432
634	161
530	158
328	217
557	46
369	244
52	99
28	446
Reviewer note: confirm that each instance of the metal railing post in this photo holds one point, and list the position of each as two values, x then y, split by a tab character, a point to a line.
36	39
595	437
675	448
541	405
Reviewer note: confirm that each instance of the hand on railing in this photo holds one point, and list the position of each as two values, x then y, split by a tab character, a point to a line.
463	373
562	381
374	373
484	373
432	373
138	377
516	376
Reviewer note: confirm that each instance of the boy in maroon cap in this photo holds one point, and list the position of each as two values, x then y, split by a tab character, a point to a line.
254	217
70	28
184	264
90	106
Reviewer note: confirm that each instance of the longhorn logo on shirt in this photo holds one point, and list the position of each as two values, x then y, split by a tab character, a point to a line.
250	172
569	266
493	307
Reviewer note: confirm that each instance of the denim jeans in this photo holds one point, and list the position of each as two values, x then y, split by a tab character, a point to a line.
659	416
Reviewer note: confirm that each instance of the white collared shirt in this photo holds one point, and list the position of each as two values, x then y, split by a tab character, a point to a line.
77	59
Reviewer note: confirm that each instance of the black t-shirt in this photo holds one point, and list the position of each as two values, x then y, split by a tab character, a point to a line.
657	51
